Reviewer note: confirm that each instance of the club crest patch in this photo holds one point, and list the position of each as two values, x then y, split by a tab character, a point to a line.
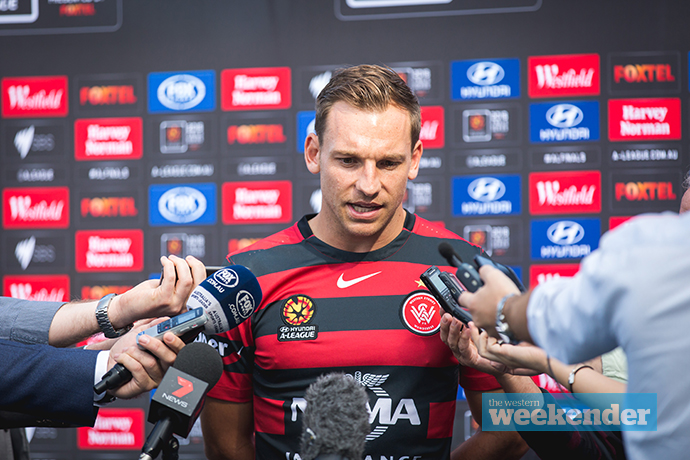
297	313
420	312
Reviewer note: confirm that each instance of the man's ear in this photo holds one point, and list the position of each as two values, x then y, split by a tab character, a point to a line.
416	157
312	153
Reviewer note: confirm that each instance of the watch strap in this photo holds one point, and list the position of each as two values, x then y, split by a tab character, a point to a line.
104	321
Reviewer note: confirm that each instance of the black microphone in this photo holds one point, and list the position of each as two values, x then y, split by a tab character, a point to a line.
229	296
449	254
336	421
179	398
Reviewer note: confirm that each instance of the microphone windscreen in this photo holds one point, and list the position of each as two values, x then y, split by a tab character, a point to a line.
200	361
228	297
336	419
446	250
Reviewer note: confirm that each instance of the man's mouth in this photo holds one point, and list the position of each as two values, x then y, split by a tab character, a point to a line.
365	207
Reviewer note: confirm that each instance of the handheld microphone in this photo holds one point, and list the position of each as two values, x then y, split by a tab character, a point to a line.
180	396
229	296
336	420
467	271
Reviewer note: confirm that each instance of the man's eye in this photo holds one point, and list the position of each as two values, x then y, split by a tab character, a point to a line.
389	164
347	161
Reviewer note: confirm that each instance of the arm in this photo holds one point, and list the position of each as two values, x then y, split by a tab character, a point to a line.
531	357
488	444
483	444
76	320
228	430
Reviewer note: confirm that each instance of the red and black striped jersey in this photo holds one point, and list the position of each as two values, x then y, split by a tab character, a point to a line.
364	314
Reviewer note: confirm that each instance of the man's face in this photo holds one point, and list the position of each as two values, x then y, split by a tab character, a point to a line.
365	160
685	202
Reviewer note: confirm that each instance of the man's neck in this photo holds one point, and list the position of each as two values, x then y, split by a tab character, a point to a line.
353	243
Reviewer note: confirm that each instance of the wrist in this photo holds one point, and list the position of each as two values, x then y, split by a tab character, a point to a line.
104	318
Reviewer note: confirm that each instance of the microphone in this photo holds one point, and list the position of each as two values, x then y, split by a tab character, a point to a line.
449	254
229	296
179	398
336	421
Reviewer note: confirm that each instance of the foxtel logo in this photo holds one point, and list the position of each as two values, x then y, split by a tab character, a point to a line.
41	207
648	119
256	134
565	192
563	75
645	191
107	95
643	73
34	97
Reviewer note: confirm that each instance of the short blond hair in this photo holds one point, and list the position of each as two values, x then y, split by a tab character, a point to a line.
370	88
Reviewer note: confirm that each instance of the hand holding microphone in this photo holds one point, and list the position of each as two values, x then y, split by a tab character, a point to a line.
228	297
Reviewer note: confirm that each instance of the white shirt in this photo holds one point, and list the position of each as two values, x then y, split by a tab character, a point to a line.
634	291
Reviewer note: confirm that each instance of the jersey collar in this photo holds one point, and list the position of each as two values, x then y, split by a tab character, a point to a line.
346	256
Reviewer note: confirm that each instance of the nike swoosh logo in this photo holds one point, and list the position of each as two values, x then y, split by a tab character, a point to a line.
342	284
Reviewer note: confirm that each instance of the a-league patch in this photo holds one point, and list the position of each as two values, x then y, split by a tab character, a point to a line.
298	313
420	312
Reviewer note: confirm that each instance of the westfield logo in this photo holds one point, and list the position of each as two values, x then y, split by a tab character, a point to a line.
34	97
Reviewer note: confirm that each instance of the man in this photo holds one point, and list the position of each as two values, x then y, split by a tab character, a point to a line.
631	292
341	291
46	385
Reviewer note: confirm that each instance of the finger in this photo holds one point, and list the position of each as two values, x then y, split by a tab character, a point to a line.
487	272
141	380
168	281
445	327
198	269
173	342
184	275
465	298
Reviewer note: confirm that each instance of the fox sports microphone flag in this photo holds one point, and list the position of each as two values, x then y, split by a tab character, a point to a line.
228	297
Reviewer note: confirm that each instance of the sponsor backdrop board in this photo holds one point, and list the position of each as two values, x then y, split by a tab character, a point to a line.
545	124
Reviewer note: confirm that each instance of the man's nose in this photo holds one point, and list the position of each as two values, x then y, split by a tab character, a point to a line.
369	182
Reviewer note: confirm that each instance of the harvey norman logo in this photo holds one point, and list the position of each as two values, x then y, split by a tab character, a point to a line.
603	411
109	250
256	88
108	139
565	192
644	119
486	79
257	202
563	75
36	97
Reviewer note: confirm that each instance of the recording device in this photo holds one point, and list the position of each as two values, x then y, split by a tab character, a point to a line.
180	396
446	288
189	322
336	421
467	272
227	298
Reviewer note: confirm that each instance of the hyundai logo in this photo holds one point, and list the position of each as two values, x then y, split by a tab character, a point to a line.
182	204
485	73
181	92
486	189
565	232
564	116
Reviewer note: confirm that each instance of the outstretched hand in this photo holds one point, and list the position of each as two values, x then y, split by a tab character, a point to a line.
152	299
521	359
458	338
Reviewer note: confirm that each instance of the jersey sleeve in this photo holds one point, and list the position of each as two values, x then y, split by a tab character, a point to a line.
237	351
474	380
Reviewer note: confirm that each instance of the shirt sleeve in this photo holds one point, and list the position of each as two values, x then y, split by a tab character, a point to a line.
235	384
474	380
26	321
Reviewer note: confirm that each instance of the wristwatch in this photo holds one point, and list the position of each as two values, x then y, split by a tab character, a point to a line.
502	326
104	321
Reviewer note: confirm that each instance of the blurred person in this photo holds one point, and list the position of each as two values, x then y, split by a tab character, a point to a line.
630	292
335	285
